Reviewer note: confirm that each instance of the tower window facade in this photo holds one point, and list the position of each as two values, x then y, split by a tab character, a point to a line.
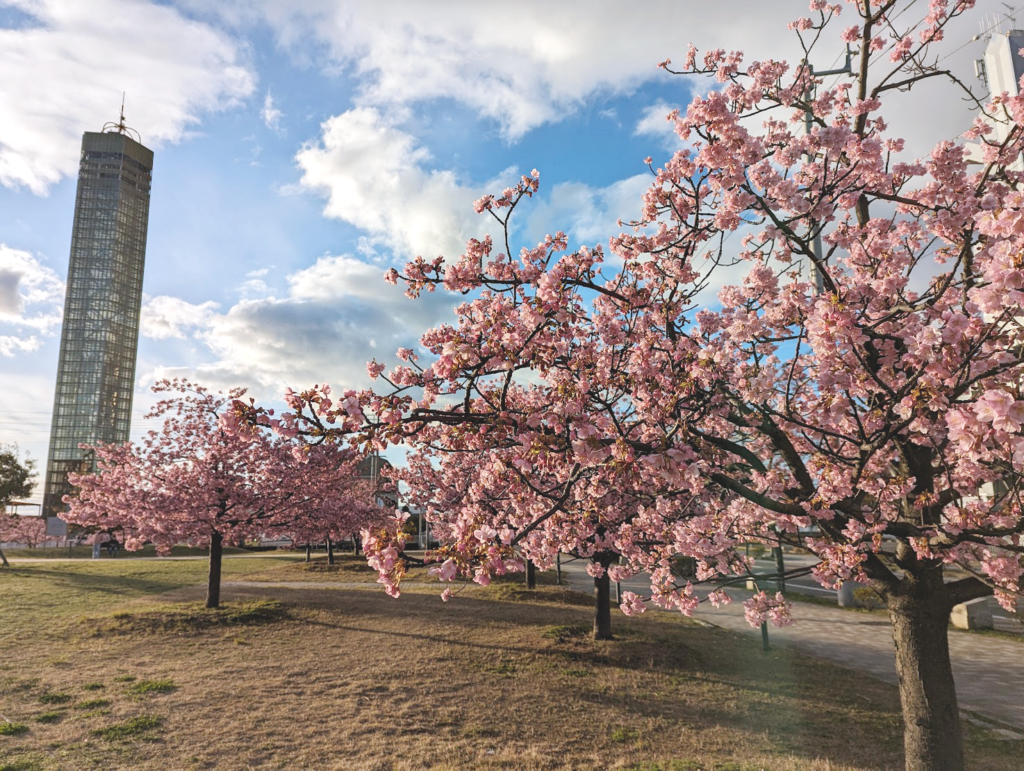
100	333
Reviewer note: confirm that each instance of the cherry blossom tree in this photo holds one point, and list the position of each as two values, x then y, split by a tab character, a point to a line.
16	481
863	381
30	531
338	504
492	517
198	482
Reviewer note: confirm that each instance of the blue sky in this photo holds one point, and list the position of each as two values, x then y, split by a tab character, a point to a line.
302	149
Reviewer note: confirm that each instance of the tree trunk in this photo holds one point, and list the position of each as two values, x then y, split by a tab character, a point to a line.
780	568
932	739
330	551
602	608
4	558
531	575
309	553
213	584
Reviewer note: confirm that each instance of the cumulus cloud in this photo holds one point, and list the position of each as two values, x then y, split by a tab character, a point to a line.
31	301
337	315
74	59
374	175
534	67
536	62
520	66
166	317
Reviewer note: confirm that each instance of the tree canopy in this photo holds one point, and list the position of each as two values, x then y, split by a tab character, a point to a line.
17	476
855	391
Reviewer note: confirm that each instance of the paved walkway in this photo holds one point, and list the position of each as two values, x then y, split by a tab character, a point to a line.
988	670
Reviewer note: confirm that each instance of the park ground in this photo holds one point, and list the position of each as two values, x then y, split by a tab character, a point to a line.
114	664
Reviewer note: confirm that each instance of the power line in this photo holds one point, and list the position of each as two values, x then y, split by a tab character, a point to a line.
1008	15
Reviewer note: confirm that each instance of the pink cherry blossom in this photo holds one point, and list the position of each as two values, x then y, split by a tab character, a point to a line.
859	375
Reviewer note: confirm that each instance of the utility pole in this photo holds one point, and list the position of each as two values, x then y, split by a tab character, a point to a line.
846	69
819	255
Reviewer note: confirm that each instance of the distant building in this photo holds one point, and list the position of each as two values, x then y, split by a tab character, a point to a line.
100	334
1000	70
370	467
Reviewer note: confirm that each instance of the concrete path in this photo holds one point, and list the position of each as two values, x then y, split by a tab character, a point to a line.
988	670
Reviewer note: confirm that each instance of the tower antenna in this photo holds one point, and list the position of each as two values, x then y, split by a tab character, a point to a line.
121	127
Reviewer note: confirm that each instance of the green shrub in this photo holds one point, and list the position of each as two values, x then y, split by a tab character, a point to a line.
13	729
49	717
866	597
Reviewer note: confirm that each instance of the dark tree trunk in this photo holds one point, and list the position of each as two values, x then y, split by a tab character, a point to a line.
355	544
919	610
309	552
602	608
330	552
780	568
213	584
531	575
3	557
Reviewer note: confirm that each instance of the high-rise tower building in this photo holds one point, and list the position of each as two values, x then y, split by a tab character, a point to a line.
100	334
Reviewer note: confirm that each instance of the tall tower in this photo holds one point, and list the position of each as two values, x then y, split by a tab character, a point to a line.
100	334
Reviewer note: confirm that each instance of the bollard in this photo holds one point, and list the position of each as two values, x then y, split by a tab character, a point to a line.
844	594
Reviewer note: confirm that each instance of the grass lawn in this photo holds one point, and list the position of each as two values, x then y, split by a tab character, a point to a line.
85	552
114	664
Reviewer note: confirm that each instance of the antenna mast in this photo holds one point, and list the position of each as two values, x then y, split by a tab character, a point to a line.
121	127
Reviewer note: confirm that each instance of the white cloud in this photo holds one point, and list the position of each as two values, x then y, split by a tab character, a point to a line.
66	70
520	66
166	317
374	176
271	114
536	66
31	301
254	287
653	122
588	214
537	62
336	316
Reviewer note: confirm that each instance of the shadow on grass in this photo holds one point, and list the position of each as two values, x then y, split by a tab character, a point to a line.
119	584
705	677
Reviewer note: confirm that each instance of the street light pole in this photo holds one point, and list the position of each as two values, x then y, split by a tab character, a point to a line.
817	248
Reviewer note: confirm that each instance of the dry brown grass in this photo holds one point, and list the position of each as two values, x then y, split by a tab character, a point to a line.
347	678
